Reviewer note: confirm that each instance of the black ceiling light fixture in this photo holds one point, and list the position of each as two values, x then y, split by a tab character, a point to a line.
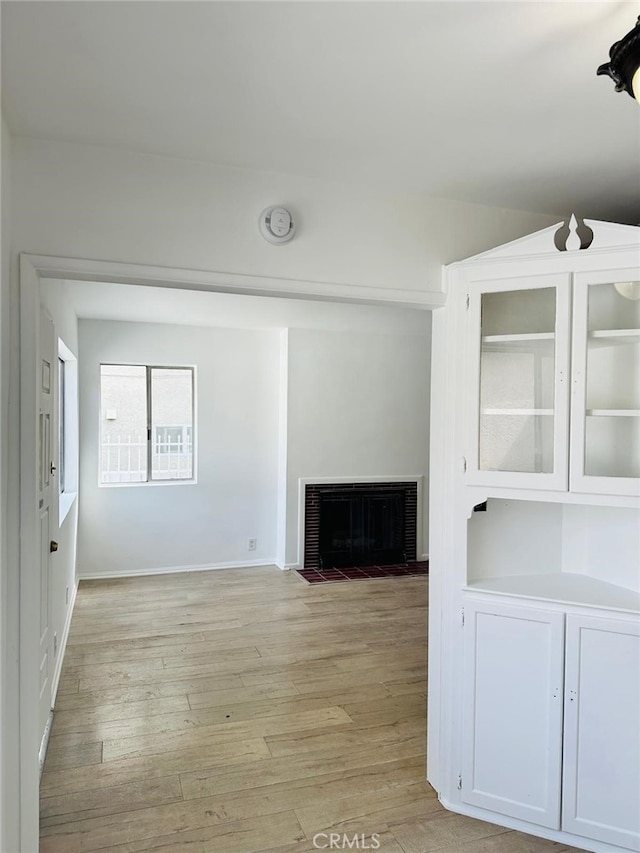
624	63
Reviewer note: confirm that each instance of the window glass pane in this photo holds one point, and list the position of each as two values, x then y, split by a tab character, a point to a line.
61	425
612	428
123	423
172	423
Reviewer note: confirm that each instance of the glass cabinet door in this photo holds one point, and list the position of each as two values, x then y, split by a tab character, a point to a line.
519	354
605	447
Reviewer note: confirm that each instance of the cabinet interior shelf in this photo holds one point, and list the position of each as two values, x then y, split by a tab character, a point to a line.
521	412
563	588
532	341
613	337
613	413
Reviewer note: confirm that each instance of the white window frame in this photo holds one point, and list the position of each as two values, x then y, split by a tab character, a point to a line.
150	439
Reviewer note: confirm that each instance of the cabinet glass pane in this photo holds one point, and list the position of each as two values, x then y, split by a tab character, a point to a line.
612	429
517	381
609	309
519	311
516	443
612	446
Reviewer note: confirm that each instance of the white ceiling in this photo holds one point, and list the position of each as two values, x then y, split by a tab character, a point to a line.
487	102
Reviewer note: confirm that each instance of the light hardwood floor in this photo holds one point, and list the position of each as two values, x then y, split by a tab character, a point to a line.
244	710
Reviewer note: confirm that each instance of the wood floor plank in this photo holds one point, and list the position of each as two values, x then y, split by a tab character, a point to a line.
484	838
311	682
87	719
68	685
142	647
368	813
105	801
344	738
247	836
73	755
241	695
149	723
408	685
140	692
128	670
389	710
262	700
209	756
293	768
152	744
151	629
442	830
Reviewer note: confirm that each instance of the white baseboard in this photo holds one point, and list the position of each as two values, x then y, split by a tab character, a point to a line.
168	570
44	743
62	647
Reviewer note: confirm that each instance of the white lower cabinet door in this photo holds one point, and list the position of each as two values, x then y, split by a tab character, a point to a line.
512	714
602	731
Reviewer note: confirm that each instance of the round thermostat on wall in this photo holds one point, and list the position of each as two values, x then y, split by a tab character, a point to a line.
276	225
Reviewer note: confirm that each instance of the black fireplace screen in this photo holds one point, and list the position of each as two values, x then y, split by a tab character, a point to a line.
362	528
360	524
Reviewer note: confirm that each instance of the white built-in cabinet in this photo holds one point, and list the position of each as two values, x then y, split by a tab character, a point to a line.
602	730
561	747
511	752
534	667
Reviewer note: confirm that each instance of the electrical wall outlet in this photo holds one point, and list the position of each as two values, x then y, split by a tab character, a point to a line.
252	544
66	600
55	645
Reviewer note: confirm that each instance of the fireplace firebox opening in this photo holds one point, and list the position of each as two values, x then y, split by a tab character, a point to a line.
360	524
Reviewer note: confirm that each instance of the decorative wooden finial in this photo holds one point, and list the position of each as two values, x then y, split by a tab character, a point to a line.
573	235
573	241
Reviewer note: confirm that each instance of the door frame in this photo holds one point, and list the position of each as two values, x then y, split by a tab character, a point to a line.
32	269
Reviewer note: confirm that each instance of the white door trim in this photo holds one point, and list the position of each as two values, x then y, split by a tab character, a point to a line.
29	606
226	282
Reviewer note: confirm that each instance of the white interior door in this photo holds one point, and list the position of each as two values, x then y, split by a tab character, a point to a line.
512	715
602	731
46	506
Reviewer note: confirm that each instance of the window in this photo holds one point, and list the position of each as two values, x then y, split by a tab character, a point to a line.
146	423
61	425
67	405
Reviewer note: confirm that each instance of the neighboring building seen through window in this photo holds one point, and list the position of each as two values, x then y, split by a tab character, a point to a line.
173	439
146	423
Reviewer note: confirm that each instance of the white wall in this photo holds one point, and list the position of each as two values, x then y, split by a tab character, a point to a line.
602	542
145	527
93	202
358	407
